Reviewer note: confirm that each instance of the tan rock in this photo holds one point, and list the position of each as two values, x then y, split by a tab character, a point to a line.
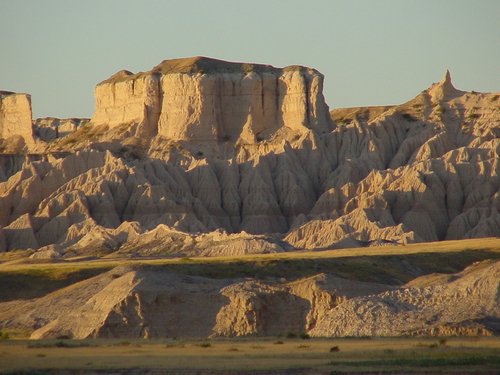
426	305
420	171
202	99
149	302
15	117
49	128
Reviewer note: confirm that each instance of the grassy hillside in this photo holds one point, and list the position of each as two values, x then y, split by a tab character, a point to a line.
393	265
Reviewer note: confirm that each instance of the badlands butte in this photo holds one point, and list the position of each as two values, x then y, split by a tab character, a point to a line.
205	158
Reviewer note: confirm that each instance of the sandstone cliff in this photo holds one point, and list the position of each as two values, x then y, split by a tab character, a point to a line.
202	99
425	170
15	121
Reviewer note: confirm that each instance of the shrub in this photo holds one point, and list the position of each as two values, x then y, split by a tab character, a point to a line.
304	336
409	117
291	335
334	349
4	335
279	342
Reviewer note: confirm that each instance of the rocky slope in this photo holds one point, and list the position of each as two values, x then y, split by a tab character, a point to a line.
200	156
149	302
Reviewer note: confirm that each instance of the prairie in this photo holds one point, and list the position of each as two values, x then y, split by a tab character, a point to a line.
240	356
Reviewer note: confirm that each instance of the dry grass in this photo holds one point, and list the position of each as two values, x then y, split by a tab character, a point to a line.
391	265
256	354
442	247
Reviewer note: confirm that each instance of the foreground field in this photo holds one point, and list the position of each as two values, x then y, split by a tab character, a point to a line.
240	356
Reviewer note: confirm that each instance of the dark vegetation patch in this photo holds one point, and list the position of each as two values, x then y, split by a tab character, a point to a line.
465	360
387	269
37	282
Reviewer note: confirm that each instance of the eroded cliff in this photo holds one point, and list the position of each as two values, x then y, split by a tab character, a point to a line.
15	122
202	99
425	170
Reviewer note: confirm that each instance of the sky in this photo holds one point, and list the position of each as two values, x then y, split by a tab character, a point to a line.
371	52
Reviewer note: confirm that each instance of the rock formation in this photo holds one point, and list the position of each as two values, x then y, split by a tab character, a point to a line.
148	302
200	157
49	128
198	146
450	305
15	121
202	99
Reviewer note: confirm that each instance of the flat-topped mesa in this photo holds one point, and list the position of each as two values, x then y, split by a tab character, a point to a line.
15	116
205	99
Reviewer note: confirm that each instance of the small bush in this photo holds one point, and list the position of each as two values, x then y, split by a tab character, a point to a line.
334	349
123	343
61	344
4	335
279	342
304	336
205	345
291	335
409	117
233	350
442	341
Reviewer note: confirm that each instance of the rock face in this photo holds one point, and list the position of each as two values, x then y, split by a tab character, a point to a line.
202	99
199	146
50	128
451	305
15	118
148	302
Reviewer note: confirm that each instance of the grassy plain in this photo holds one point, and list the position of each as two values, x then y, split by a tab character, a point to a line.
245	355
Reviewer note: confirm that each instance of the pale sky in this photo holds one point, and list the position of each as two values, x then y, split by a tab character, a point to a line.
371	52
